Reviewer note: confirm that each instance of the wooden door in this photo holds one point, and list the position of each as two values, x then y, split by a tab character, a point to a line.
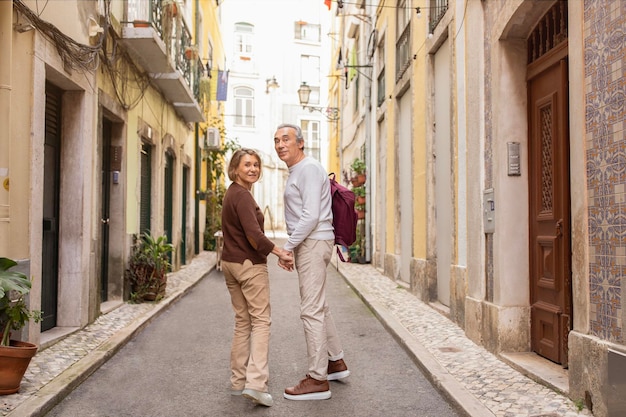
105	213
51	208
550	231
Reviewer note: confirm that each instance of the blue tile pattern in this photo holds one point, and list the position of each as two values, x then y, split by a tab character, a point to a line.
605	96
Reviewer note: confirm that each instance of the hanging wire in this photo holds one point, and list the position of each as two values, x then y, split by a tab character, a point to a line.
341	3
75	56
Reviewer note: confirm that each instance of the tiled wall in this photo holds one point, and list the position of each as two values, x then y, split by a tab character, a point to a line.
605	95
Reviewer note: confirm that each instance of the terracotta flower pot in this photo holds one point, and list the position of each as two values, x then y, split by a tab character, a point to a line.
358	180
14	361
141	23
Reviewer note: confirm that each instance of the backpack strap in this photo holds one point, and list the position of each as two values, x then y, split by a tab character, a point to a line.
340	254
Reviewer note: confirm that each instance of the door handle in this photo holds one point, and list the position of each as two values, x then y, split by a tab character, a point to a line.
559	228
104	221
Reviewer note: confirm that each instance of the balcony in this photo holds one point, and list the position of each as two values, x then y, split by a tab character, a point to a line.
159	41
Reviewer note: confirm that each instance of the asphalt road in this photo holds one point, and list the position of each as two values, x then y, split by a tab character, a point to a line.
178	365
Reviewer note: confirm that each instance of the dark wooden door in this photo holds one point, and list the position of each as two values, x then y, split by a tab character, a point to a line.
183	229
105	208
550	232
51	208
168	209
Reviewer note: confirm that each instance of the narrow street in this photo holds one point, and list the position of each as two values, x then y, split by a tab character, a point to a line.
178	365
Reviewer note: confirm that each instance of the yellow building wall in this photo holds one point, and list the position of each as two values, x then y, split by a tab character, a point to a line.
386	23
420	138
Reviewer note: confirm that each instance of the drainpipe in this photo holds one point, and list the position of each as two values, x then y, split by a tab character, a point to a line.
6	51
196	225
368	155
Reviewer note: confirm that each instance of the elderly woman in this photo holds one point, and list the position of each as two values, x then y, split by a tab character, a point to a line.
244	263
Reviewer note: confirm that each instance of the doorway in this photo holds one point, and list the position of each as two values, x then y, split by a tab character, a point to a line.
51	207
105	209
443	175
549	211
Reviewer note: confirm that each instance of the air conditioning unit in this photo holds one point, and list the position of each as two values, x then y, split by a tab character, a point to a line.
212	138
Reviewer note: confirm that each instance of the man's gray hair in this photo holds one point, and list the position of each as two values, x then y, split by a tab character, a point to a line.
296	128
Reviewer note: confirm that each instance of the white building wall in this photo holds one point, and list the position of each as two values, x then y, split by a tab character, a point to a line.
276	53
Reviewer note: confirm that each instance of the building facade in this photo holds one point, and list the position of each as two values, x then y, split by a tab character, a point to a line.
101	145
495	154
267	63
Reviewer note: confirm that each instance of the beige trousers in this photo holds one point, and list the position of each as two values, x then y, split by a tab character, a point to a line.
249	289
311	259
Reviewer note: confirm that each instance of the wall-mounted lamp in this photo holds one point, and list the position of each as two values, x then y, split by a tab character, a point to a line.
304	92
271	84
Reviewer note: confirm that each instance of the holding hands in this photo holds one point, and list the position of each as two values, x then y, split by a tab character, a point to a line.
285	259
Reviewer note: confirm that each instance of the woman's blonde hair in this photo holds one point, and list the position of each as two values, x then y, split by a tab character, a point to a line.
236	159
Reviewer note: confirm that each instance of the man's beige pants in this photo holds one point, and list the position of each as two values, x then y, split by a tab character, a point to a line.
311	259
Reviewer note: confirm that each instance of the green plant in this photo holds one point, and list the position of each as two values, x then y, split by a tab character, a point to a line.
580	404
148	267
354	251
359	207
14	313
215	190
358	166
359	191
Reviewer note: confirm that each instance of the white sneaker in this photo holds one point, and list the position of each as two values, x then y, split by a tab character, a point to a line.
258	397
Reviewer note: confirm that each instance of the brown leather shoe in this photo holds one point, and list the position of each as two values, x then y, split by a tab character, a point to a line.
337	370
308	389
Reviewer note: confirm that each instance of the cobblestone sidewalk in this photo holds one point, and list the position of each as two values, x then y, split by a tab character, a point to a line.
442	347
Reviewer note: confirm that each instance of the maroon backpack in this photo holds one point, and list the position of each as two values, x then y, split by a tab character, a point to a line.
344	215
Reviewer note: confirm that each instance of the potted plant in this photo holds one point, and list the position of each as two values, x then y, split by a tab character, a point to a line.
141	23
148	267
360	210
359	193
355	252
14	314
191	53
358	168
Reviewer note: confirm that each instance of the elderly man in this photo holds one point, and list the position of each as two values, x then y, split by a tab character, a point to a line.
309	221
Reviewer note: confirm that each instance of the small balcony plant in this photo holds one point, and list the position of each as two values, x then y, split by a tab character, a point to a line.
359	193
358	169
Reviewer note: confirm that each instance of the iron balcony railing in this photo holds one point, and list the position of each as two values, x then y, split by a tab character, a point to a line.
161	42
437	9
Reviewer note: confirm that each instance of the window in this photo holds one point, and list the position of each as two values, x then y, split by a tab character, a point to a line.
381	74
244	35
403	16
138	9
381	88
403	37
145	210
311	134
310	74
244	107
307	32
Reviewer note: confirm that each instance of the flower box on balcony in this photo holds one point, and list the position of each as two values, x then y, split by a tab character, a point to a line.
141	23
191	53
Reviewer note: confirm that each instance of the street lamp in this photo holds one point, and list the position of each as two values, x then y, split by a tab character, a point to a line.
304	92
271	83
